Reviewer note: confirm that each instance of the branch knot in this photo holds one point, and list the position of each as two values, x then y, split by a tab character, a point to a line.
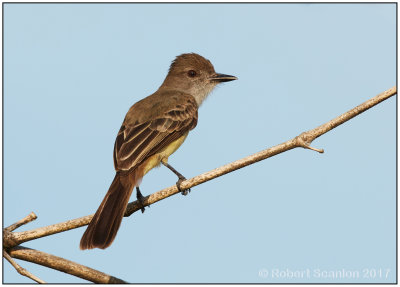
304	140
9	240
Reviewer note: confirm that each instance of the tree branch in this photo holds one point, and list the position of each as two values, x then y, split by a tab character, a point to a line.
63	265
12	239
30	217
21	270
303	140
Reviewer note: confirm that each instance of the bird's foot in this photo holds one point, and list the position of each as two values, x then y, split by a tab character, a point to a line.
178	185
140	198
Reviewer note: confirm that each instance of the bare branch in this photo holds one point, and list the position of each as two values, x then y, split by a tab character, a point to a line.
311	135
30	217
63	265
12	239
16	238
21	270
303	140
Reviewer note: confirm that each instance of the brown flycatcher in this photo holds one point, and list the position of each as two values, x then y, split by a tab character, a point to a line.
152	130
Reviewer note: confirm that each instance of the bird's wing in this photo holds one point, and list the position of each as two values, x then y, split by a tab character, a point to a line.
135	143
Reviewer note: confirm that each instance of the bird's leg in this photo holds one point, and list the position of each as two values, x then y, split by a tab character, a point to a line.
180	178
140	197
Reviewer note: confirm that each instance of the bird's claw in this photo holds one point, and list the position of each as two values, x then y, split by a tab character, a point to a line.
178	185
140	198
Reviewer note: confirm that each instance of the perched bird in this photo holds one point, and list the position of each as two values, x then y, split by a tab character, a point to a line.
152	130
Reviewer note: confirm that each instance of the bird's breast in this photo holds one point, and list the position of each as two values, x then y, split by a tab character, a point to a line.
163	155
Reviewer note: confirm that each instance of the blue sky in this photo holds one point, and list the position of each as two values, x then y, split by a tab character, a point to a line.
71	72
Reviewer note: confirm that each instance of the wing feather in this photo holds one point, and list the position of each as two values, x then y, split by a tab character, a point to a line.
135	143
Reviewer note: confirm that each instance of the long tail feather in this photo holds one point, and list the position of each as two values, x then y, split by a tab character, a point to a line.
105	223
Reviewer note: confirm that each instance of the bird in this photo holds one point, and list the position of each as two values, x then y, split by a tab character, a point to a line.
153	129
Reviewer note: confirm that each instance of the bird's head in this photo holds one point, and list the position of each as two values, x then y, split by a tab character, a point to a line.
195	75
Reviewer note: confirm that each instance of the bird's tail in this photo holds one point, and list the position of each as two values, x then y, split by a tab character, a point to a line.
104	225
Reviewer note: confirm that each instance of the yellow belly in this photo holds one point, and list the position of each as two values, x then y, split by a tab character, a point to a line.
163	155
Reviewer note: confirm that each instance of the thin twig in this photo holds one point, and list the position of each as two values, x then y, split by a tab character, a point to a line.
63	265
30	217
12	239
16	238
21	270
303	140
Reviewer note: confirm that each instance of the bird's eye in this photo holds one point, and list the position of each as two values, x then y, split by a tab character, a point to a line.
192	73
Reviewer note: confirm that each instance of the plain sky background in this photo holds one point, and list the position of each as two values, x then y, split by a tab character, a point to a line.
71	72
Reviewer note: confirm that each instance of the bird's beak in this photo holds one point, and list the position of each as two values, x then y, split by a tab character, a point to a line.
222	78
